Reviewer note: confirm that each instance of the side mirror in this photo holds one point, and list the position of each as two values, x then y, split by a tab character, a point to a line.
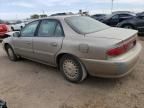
16	34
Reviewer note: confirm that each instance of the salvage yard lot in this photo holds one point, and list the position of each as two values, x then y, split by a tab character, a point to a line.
26	84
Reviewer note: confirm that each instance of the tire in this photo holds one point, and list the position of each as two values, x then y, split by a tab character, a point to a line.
128	26
12	29
10	52
21	27
72	69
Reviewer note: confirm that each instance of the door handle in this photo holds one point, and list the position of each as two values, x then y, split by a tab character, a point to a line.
54	44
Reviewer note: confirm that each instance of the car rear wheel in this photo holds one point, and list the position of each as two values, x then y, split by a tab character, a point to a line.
10	52
72	69
128	26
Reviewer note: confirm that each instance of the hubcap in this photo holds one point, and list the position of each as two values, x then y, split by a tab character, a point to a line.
10	53
71	69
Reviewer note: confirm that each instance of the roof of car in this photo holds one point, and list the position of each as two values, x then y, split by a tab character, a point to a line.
123	12
61	17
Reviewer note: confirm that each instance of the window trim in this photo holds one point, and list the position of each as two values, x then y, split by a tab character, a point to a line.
58	22
61	29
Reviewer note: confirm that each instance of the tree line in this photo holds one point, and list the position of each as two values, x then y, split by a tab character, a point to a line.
36	16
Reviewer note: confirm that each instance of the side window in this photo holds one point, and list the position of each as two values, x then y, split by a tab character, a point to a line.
59	30
115	17
47	28
30	29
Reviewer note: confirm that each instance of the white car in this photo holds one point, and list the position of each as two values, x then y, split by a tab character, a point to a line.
16	26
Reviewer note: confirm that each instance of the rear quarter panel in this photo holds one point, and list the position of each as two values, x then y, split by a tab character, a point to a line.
81	46
87	48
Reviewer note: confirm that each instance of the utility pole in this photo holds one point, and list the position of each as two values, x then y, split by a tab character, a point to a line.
43	12
112	1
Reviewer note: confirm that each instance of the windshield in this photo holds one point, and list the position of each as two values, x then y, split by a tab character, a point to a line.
85	25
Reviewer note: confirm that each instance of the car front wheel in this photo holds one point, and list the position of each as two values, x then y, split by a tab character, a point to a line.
72	69
10	52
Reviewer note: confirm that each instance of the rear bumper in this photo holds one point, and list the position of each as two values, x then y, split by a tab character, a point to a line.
115	67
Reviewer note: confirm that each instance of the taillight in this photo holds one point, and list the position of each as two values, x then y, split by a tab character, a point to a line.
121	49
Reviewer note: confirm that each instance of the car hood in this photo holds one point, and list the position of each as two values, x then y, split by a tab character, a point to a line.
113	33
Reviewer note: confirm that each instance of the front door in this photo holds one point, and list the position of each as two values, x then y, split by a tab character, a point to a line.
23	44
48	40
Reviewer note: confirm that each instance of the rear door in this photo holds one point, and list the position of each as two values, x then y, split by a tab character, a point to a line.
48	40
114	20
23	44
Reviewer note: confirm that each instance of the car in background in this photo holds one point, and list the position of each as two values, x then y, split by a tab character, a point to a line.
116	17
98	16
16	25
4	28
136	23
58	14
140	14
77	45
61	14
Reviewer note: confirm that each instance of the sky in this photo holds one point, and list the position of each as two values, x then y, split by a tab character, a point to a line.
21	9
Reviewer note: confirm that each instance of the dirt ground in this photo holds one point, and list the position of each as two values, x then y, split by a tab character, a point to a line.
26	84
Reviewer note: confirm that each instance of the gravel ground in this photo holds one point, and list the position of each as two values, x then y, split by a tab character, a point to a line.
26	84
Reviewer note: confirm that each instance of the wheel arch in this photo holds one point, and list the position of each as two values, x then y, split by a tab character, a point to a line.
5	45
59	56
129	24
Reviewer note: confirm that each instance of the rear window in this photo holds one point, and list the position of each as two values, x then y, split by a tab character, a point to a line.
84	24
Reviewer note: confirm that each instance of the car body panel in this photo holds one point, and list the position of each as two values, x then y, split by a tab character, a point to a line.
46	48
107	33
23	46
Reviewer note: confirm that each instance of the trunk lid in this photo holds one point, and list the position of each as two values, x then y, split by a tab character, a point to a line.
117	41
113	33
